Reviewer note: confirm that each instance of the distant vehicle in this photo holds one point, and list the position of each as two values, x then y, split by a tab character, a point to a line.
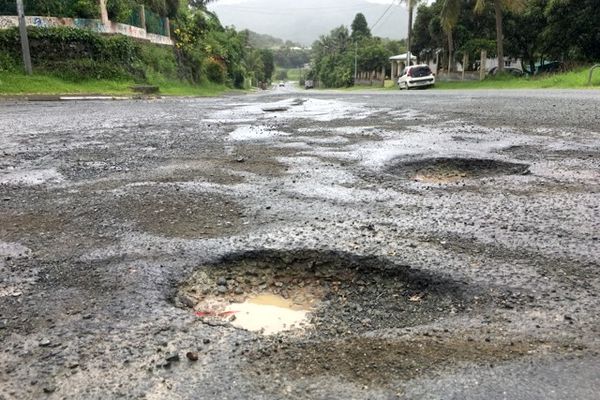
509	70
281	84
416	76
548	67
309	84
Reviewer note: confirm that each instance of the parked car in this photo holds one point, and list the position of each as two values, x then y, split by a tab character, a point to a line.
548	67
282	84
416	76
309	84
509	70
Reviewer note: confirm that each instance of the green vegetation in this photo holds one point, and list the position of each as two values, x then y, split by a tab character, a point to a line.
17	83
576	79
334	54
533	30
262	41
206	55
60	8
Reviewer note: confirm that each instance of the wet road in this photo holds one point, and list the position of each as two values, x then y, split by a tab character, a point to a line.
451	241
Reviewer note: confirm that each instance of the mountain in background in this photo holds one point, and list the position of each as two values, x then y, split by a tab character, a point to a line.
303	21
264	41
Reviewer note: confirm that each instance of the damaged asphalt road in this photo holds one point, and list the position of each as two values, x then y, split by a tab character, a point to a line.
436	245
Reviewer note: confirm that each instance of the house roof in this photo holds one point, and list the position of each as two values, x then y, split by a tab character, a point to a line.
402	57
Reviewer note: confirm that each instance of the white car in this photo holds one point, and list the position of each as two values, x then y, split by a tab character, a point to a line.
416	76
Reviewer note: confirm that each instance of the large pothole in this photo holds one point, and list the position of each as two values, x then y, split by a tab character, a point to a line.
443	170
327	293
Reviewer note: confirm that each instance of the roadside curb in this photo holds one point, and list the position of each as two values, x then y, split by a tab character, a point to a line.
74	97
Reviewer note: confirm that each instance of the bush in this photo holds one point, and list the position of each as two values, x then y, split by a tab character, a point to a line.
7	63
120	10
77	54
215	72
62	8
159	59
85	69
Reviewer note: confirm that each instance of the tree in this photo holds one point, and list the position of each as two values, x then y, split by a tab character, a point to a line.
523	33
360	28
268	63
200	4
372	55
573	30
451	11
333	59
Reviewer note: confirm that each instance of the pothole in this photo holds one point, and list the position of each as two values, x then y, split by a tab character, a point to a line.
325	293
442	170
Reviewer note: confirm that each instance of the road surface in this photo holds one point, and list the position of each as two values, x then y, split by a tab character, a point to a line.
440	245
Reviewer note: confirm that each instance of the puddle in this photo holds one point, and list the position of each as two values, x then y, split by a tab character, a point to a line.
249	132
313	109
267	313
445	170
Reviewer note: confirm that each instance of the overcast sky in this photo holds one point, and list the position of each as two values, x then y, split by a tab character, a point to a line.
304	21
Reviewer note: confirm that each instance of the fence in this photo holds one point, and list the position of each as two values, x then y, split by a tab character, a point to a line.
155	23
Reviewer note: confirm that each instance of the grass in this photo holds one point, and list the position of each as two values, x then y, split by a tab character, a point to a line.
14	83
569	80
293	74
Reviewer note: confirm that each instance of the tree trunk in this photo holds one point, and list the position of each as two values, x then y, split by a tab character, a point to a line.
499	35
450	46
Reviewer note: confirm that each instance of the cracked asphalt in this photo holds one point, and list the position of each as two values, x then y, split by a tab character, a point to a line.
455	236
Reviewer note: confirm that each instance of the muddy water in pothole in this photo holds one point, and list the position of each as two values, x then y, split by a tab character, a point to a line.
267	313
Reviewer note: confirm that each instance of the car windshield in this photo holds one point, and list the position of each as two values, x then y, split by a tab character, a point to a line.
421	71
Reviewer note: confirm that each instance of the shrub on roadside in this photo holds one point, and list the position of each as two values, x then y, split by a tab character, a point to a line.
63	8
77	54
7	63
215	72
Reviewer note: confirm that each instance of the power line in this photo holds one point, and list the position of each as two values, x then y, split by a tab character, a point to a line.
382	15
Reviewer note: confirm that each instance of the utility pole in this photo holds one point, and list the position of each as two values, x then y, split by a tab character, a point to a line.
355	62
410	4
24	38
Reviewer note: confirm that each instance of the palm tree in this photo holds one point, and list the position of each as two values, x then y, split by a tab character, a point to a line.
451	11
200	3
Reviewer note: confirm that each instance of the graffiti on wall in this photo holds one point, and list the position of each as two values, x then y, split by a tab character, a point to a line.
7	21
159	39
95	25
92	24
46	22
129	30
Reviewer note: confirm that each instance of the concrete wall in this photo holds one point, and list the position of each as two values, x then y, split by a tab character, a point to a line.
95	25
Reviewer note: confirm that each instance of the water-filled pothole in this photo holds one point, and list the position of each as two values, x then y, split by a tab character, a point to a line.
441	170
329	293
